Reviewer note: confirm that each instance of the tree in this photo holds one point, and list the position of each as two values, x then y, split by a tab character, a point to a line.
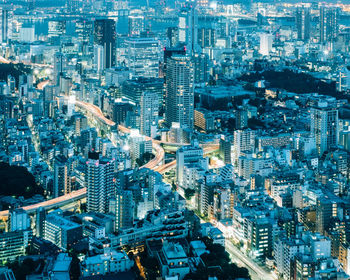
17	181
189	193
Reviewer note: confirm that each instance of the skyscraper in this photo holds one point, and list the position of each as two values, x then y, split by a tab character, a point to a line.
149	113
123	207
266	41
143	57
61	185
179	91
303	22
99	184
324	125
329	25
188	31
105	35
4	25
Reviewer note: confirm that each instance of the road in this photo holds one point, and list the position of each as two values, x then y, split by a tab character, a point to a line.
156	163
256	272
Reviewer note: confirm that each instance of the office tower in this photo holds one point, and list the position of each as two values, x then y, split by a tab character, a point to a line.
99	183
172	34
84	30
206	37
136	25
179	101
57	28
4	25
201	68
98	58
88	139
303	23
168	53
149	113
120	110
60	62
61	185
241	118
105	35
143	57
225	150
123	207
329	25
133	89
40	222
11	83
324	126
188	32
184	156
18	220
266	40
326	209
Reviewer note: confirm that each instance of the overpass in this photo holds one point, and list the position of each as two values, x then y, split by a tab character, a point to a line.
155	164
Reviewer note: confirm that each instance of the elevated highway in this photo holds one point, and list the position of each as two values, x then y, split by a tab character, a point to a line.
155	164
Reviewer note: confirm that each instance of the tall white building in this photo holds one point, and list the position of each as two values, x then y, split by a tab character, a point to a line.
266	40
187	26
184	156
99	183
98	58
149	113
324	126
244	141
179	92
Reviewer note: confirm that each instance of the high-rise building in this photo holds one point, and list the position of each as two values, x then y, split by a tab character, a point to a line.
136	25
186	155
266	40
99	184
179	101
188	27
133	89
61	185
120	110
149	113
326	209
105	35
225	150
324	126
244	141
139	145
303	23
123	207
84	30
98	58
4	25
206	37
201	67
329	23
143	57
40	222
